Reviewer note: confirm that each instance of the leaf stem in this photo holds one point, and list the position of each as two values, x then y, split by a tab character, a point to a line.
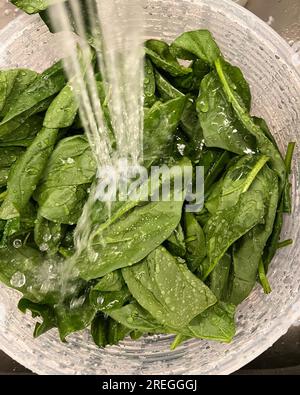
289	156
284	243
263	278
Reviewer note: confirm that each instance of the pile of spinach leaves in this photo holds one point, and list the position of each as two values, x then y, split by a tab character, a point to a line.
150	267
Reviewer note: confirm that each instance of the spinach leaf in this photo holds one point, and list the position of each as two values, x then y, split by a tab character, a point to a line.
8	157
190	83
7	79
47	235
111	282
26	174
165	90
241	86
229	225
16	124
33	6
175	243
190	124
23	135
214	162
220	276
128	240
272	243
195	242
199	43
264	145
149	85
216	323
99	330
17	81
63	189
221	128
34	98
167	289
159	53
239	178
4	172
63	109
109	300
19	269
39	310
135	317
213	197
74	315
247	252
106	331
160	124
116	332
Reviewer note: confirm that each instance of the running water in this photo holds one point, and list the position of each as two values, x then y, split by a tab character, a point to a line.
114	29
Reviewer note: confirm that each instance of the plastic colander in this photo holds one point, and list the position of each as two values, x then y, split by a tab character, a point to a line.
267	62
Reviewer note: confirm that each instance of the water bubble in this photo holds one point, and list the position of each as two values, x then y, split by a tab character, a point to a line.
17	243
45	287
77	302
47	237
100	300
18	280
44	247
70	161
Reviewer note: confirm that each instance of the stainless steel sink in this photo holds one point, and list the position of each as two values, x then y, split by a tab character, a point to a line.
284	356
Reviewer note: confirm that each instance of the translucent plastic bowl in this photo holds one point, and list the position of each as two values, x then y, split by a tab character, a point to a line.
267	62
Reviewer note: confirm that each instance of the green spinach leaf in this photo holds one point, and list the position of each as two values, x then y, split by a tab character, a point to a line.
159	53
167	289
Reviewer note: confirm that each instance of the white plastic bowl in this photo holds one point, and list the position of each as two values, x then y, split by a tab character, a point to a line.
267	63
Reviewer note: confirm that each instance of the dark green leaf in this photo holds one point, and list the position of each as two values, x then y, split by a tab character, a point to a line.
99	330
265	146
63	189
17	81
62	111
215	323
167	289
175	243
221	128
23	135
74	315
195	242
47	235
32	99
149	85
160	55
130	239
228	225
165	90
136	318
219	277
160	124
33	6
247	252
39	310
199	43
26	174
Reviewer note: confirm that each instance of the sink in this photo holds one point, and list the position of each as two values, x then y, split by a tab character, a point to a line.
284	357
